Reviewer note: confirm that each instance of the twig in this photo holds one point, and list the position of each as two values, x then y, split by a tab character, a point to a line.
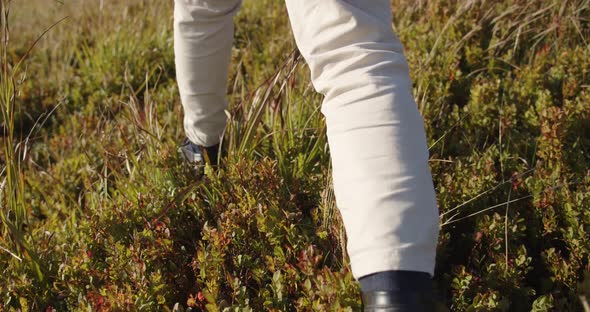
484	210
12	254
506	231
24	56
487	191
447	132
585	303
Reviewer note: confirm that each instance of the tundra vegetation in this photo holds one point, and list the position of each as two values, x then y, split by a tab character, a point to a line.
99	213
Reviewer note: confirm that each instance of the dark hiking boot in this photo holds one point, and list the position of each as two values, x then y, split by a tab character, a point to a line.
198	156
399	301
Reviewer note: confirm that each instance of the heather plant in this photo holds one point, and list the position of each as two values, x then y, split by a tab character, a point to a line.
114	221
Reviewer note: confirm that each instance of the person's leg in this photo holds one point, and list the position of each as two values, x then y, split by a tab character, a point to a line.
382	181
203	36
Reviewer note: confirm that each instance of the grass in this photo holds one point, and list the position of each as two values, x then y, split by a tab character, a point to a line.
98	211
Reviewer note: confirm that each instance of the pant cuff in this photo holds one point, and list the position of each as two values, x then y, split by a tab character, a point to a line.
202	139
406	259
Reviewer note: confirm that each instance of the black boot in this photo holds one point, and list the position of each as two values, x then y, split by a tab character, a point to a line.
392	301
196	156
398	291
213	154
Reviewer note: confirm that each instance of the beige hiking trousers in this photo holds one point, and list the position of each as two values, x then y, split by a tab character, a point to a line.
382	181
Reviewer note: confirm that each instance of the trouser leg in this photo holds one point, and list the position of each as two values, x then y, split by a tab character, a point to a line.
203	36
382	181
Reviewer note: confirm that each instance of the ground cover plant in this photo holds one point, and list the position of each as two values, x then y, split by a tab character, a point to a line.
99	213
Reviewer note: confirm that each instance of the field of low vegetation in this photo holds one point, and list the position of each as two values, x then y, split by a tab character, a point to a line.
99	213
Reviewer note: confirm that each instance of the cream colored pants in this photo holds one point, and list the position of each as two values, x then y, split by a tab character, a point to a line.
382	181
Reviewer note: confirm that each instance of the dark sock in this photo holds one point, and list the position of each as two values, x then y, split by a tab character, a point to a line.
398	281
